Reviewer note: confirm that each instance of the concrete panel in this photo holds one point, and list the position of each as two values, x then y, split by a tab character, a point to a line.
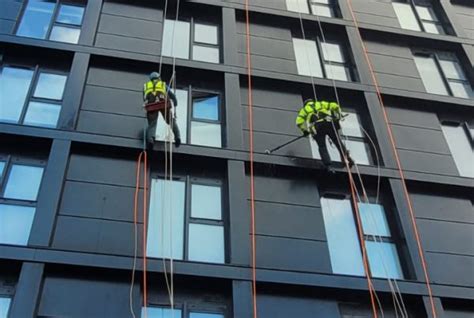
128	44
447	237
110	100
279	306
299	255
419	139
427	162
111	124
435	206
130	27
451	269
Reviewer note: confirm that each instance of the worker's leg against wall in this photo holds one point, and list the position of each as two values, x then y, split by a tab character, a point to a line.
338	142
168	116
323	150
151	130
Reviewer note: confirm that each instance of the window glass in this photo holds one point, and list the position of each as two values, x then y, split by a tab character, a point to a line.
206	202
343	242
462	90
460	148
351	125
205	315
2	166
359	151
15	224
206	134
155	312
4	306
205	54
36	19
50	86
179	46
42	114
431	27
206	243
13	80
65	34
374	221
406	16
332	52
426	13
321	10
297	6
23	182
452	69
307	58
337	72
166	219
181	118
383	260
205	33
430	75
206	108
70	14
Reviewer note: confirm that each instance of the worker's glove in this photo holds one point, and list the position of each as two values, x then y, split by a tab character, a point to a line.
305	133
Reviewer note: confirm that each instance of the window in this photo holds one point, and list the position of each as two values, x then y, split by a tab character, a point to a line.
354	140
201	112
459	139
51	19
321	59
19	185
343	239
191	40
161	312
325	8
37	98
189	223
4	306
418	15
442	74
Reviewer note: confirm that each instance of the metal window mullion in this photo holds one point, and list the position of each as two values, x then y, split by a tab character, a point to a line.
191	38
67	25
443	74
187	216
206	221
53	19
322	58
189	114
18	202
418	18
206	121
29	95
3	179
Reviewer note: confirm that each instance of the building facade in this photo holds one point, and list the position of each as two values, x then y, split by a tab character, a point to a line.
71	130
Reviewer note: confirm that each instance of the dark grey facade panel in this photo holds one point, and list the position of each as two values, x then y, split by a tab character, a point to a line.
272	120
129	44
442	207
141	10
117	78
284	66
6	26
464	18
393	65
9	13
427	162
450	269
267	47
458	313
394	48
130	27
413	117
264	141
264	30
377	20
273	4
111	124
420	139
281	306
113	100
400	82
276	96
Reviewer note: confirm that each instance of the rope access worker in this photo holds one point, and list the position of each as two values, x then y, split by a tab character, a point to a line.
156	91
320	119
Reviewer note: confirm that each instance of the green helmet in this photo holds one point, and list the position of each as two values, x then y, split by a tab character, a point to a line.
154	75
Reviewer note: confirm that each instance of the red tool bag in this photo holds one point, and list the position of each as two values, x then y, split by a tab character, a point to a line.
161	103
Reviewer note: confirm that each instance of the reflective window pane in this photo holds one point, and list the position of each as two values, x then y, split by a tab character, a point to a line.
333	52
42	114
166	219
460	148
383	260
23	182
162	131
321	10
426	13
351	125
206	134
2	166
452	69
205	315
206	243
50	86
205	33
343	242
15	224
307	58
374	221
206	202
205	54
156	312
70	14
462	90
179	46
65	34
359	151
4	306
337	72
434	28
13	80
297	6
36	19
430	75
406	16
206	108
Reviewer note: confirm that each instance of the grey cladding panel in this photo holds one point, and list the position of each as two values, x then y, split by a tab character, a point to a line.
276	219
132	10
458	313
279	306
128	44
269	31
263	141
84	297
293	254
267	47
382	8
390	49
270	64
451	269
114	171
394	65
447	237
420	139
377	20
123	26
111	124
413	117
111	100
285	190
400	82
435	206
6	26
116	79
99	201
427	162
272	120
278	98
10	9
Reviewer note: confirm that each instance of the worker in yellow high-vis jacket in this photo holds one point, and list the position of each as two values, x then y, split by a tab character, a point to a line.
320	119
156	90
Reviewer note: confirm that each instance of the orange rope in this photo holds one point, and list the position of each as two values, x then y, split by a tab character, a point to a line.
397	159
252	184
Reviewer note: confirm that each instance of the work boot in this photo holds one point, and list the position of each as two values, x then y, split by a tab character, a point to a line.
350	161
177	142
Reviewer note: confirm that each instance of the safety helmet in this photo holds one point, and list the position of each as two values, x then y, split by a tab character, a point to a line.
154	75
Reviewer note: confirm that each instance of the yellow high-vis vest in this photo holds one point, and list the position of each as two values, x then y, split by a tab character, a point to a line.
155	88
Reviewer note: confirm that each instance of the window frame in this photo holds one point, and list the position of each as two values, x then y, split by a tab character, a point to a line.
189	307
466	128
37	71
419	20
189	180
53	22
331	5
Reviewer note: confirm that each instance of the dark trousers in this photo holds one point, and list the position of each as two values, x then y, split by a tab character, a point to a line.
153	120
326	129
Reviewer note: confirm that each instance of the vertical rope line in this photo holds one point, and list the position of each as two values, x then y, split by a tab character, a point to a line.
145	226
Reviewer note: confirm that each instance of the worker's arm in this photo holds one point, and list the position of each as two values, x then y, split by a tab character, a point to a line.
172	95
335	110
301	121
144	88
